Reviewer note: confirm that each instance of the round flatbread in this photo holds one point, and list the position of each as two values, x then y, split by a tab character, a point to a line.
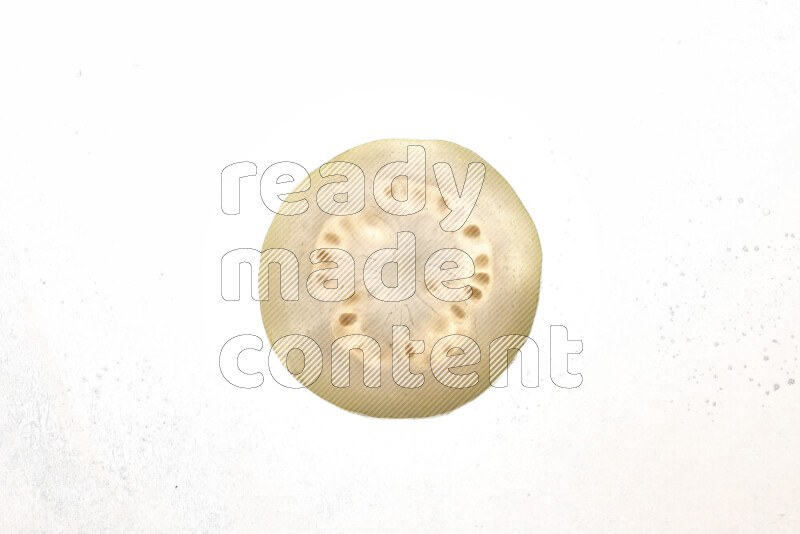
355	334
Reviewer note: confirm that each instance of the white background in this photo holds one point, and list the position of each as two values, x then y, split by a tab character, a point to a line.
654	144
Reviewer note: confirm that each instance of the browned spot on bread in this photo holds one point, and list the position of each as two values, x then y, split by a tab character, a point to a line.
482	278
476	293
347	319
482	260
472	231
457	311
332	238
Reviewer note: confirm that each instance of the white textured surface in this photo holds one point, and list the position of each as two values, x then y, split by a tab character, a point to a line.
656	149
